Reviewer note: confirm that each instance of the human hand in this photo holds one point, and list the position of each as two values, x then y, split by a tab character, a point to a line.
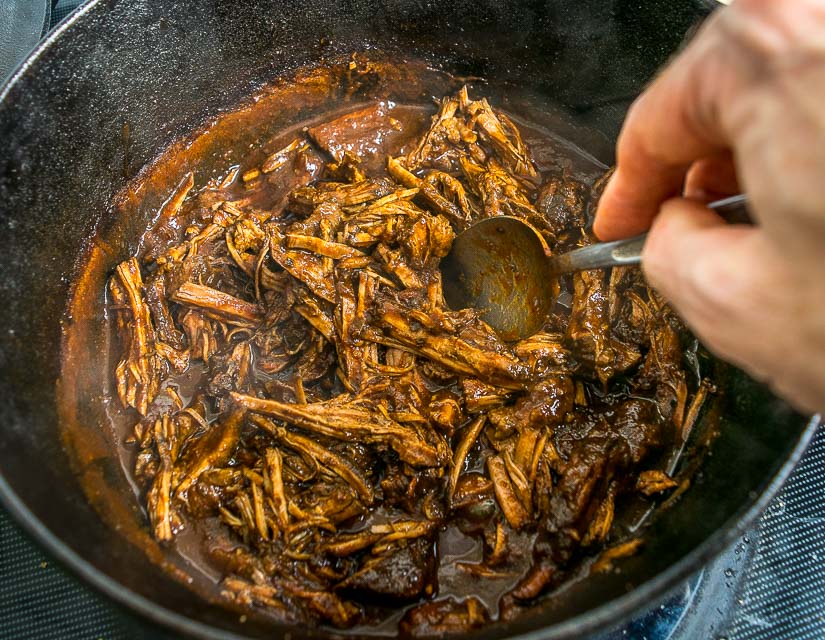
742	108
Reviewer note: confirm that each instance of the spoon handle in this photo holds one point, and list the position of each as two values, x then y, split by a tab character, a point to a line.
629	251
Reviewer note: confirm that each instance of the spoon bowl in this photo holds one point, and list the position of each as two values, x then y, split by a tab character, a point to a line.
503	267
500	266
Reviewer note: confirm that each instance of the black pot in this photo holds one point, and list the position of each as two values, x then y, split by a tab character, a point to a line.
106	93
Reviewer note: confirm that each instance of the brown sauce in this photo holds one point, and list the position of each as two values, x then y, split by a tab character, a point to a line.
577	420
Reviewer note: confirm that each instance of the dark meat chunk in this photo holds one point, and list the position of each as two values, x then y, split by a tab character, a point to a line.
588	332
444	617
591	470
404	573
546	404
207	494
159	307
640	424
474	497
591	465
561	201
368	132
230	369
629	309
662	370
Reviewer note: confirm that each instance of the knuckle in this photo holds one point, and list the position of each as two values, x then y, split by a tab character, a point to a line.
769	33
718	284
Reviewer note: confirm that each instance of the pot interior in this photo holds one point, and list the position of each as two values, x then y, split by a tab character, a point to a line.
106	98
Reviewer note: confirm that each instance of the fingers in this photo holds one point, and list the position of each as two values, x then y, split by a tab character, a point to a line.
737	294
677	263
672	124
630	203
712	178
751	81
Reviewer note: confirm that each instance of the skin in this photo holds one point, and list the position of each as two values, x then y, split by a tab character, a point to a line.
741	109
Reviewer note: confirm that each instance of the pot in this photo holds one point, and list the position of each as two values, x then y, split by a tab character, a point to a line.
105	94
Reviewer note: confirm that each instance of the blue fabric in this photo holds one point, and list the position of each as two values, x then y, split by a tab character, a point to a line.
62	8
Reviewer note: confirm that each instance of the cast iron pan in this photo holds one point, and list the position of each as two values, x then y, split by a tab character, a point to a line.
109	90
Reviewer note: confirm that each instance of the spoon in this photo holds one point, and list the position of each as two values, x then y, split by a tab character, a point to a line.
502	266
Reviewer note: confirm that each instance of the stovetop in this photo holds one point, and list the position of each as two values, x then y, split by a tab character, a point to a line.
769	585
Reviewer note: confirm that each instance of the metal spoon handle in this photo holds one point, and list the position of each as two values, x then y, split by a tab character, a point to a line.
629	251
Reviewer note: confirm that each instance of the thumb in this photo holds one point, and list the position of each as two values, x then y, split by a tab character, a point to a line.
731	286
673	259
